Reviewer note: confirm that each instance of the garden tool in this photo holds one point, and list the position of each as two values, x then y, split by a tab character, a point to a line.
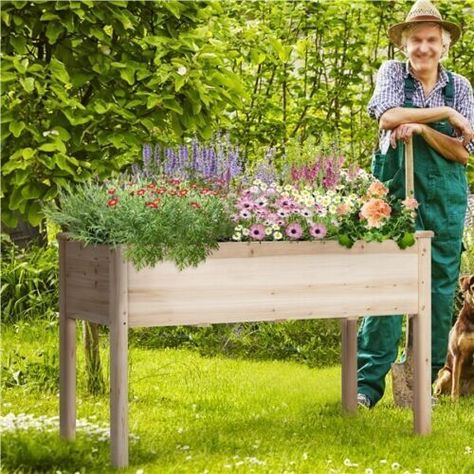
402	372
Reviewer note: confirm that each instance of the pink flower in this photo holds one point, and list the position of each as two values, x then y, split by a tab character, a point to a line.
294	231
410	203
282	212
245	203
377	189
261	202
285	202
376	211
318	231
257	231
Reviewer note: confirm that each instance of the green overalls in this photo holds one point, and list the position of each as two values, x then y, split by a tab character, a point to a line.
441	190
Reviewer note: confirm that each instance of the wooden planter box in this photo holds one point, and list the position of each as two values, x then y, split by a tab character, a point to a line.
240	282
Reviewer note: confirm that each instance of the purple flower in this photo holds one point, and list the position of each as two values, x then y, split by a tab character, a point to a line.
245	214
294	231
318	231
257	231
282	212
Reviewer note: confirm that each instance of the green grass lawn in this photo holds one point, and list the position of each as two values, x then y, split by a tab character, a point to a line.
210	415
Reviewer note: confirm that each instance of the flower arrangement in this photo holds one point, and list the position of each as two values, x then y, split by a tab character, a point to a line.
181	214
358	208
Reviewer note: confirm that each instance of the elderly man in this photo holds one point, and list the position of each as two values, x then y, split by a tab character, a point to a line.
421	99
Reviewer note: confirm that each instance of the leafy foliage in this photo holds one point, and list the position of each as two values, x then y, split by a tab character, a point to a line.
85	83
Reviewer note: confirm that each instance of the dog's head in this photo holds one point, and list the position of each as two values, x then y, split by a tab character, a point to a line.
466	284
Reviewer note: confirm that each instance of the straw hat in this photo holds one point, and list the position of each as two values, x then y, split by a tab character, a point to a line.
421	12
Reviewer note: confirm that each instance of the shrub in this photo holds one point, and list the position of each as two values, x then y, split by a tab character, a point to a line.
29	282
314	343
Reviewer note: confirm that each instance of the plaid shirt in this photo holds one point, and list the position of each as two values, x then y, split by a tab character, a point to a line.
389	93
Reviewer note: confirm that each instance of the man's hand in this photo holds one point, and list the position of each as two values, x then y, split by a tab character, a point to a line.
404	132
462	126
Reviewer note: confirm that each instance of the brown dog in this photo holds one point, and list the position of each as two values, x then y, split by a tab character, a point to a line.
457	375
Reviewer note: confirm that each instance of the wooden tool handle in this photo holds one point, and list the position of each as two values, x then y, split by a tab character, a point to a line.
409	178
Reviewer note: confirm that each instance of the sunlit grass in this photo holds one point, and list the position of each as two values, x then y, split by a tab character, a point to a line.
197	415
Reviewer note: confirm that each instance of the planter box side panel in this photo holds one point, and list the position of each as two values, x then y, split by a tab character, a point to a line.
266	288
87	282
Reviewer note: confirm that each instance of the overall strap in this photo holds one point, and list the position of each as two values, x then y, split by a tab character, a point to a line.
448	91
409	90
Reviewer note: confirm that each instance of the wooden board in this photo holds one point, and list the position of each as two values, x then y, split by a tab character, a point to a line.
268	281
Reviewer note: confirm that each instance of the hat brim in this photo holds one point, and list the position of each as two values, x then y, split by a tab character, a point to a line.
395	31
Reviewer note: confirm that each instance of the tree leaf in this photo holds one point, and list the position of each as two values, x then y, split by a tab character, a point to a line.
53	31
16	128
59	71
28	84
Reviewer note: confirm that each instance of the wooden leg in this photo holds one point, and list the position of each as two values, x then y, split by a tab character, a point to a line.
118	361
67	377
422	343
349	365
67	356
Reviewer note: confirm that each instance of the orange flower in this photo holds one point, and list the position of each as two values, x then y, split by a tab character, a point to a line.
342	209
377	189
195	204
112	202
151	204
375	211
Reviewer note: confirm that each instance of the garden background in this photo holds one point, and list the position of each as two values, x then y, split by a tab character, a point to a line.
86	84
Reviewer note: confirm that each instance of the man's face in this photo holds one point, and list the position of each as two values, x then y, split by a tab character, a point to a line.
424	47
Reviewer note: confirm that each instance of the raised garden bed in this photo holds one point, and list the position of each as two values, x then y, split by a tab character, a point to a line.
261	281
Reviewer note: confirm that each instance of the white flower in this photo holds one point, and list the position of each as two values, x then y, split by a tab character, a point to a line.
395	466
305	456
268	231
277	235
467	450
245	232
237	236
369	470
139	471
288	187
383	461
238	228
182	70
275	227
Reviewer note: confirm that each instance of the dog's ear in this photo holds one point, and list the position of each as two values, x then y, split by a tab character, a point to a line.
466	281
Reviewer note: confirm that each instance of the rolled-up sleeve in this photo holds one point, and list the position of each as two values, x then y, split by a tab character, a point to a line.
388	91
465	106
